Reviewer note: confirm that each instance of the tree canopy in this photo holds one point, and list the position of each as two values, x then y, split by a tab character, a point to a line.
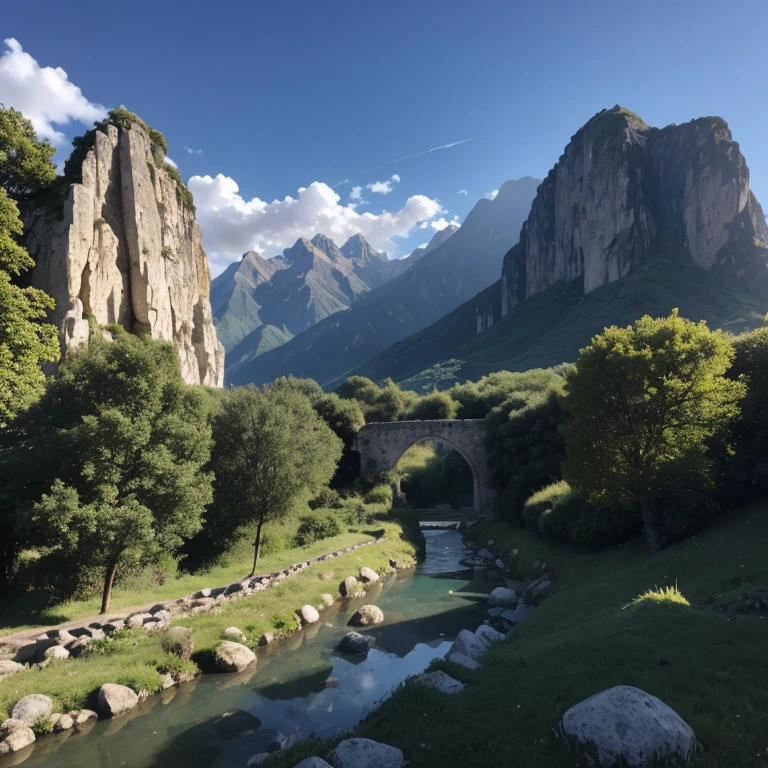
25	161
644	400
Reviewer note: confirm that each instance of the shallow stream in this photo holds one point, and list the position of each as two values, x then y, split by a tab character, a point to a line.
299	686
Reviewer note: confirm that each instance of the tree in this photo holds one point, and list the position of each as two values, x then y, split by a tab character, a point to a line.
435	405
25	162
307	387
643	401
271	451
24	341
345	418
124	442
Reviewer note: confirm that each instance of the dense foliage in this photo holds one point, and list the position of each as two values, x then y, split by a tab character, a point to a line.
644	401
25	161
119	442
434	474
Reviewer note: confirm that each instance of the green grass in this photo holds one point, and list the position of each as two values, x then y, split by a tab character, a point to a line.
26	612
137	659
592	633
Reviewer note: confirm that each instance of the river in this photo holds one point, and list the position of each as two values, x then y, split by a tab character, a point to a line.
300	685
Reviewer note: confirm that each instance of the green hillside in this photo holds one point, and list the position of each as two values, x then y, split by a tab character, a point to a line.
550	327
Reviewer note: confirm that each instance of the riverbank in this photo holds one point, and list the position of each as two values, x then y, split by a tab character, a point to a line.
139	660
702	657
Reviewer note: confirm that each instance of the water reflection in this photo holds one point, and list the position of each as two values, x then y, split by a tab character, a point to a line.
302	686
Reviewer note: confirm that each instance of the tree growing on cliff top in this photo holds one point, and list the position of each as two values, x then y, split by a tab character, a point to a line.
644	400
124	442
25	161
271	451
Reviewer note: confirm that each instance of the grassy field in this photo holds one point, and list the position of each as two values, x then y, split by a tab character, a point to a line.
29	611
591	634
138	659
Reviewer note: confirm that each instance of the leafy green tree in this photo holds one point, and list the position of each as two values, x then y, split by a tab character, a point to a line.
25	162
436	405
24	341
271	451
307	387
345	418
385	403
645	399
120	442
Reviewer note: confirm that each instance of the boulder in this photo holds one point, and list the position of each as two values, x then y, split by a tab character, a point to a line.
327	599
518	614
469	644
462	659
233	657
85	716
206	603
366	615
138	620
354	643
624	725
440	681
503	597
8	668
10	724
484	554
62	722
235	632
257	759
537	590
31	707
312	762
496	611
368	575
364	753
113	625
57	652
348	587
16	740
488	634
309	615
116	699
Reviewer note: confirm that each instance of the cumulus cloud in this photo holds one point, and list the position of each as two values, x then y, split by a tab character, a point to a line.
383	187
491	195
44	94
231	224
356	193
462	192
170	162
440	224
191	151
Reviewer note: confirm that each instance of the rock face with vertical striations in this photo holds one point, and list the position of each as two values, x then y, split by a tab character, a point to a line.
623	192
124	243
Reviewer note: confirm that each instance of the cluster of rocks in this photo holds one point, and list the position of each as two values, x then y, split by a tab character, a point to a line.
350	753
750	603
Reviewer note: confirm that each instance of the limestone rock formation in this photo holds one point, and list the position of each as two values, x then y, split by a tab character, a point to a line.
123	246
623	192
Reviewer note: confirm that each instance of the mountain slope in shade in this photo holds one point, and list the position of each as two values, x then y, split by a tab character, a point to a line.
289	293
444	276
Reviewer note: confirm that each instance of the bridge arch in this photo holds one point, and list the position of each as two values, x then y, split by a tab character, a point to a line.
381	445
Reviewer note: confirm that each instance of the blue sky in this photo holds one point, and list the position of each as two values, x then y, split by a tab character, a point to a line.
276	96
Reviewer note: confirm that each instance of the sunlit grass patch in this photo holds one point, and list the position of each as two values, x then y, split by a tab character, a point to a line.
668	595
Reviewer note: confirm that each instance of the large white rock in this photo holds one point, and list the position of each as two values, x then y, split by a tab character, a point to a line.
462	659
469	644
235	632
8	667
309	615
349	587
368	575
312	762
627	724
31	707
501	596
116	699
488	634
366	615
364	753
57	652
233	657
440	681
518	614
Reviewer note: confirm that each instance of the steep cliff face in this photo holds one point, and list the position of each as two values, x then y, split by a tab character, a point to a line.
123	247
623	192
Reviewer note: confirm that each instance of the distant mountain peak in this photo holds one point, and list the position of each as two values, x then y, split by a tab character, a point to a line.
327	246
359	249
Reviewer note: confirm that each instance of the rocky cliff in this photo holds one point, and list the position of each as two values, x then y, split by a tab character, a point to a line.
122	246
623	192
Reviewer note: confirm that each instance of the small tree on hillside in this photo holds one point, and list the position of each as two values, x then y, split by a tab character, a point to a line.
271	451
644	400
25	161
125	439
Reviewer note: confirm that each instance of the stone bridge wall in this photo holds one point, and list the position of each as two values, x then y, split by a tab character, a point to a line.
382	444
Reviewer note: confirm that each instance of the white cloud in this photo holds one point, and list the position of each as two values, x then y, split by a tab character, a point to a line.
384	187
440	224
232	225
170	162
44	94
491	195
191	151
356	193
462	192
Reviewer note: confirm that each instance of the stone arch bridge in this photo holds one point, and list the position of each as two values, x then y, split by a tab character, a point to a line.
381	445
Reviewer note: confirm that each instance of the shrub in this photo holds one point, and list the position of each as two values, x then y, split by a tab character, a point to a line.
177	642
380	494
668	595
542	503
42	726
436	405
178	667
328	498
355	514
317	525
284	622
143	679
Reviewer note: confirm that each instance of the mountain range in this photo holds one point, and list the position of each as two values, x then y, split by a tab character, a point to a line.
453	268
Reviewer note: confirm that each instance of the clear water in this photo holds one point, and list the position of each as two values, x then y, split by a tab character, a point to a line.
299	686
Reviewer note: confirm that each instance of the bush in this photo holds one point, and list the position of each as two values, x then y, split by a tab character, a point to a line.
436	405
143	679
328	498
355	514
176	666
316	526
177	642
380	494
683	511
42	726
